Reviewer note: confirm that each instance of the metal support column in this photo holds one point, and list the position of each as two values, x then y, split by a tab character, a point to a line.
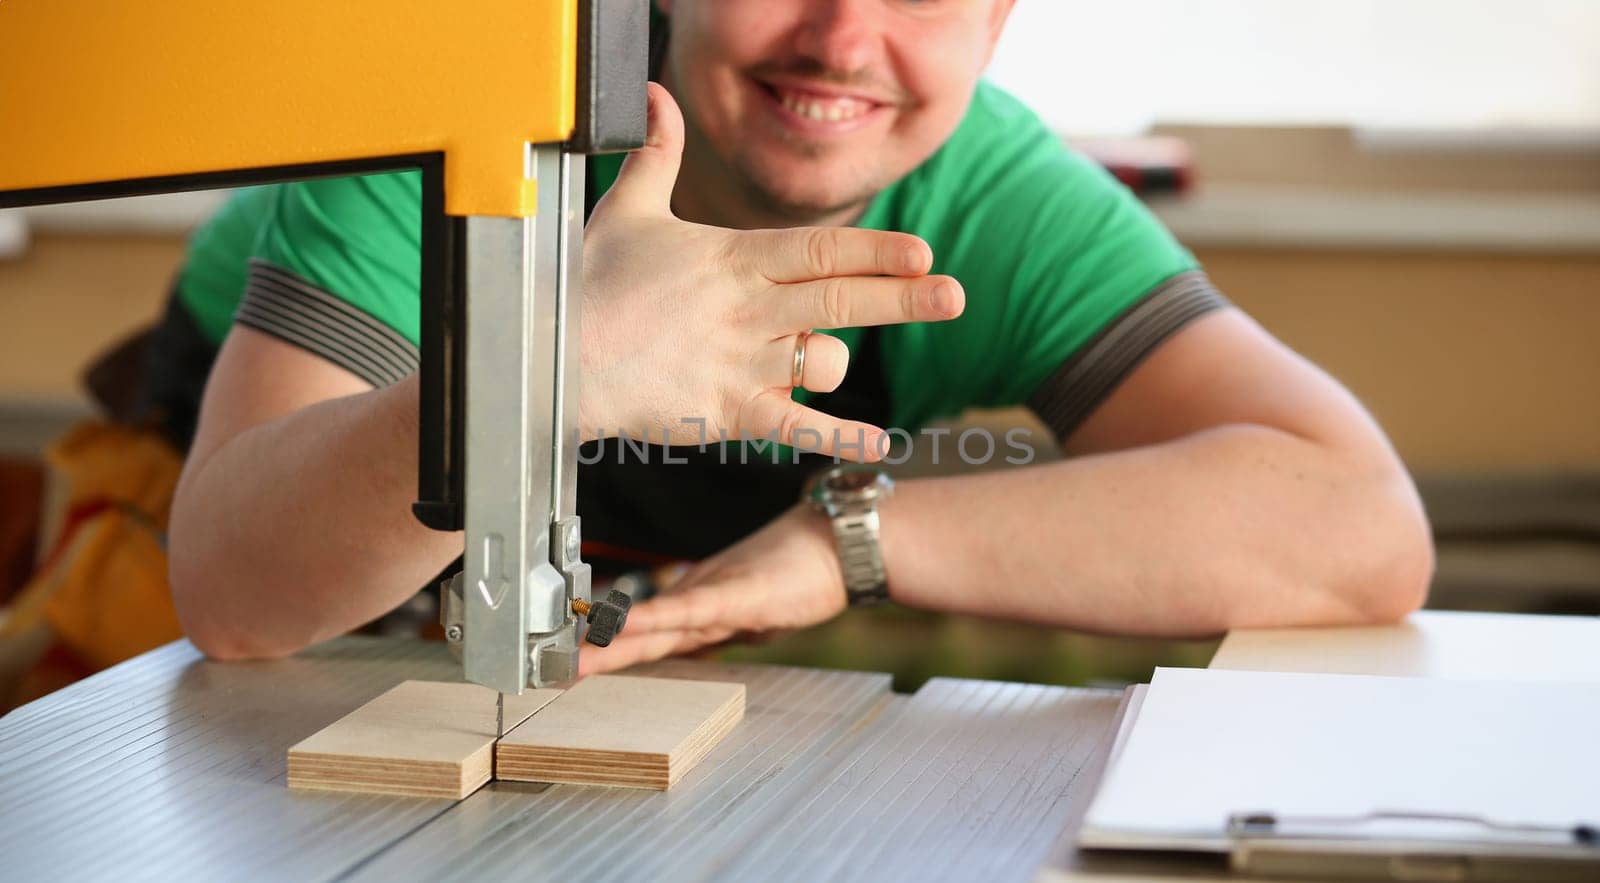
521	405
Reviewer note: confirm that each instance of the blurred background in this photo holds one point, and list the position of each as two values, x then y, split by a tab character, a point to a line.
1405	191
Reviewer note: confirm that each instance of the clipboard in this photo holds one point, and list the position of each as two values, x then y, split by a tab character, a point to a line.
1184	715
1262	844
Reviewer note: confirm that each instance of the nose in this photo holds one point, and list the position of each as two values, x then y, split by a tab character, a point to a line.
843	35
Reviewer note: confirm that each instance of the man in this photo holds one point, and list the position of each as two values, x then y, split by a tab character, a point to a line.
1213	478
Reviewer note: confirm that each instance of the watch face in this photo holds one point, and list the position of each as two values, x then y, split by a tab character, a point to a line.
849	481
853	484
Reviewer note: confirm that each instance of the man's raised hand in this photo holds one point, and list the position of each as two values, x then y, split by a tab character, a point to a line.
690	332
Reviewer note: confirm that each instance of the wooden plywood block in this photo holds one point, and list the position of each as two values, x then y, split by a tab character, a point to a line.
422	738
624	731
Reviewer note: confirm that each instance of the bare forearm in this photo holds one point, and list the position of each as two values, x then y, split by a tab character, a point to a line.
300	529
1236	526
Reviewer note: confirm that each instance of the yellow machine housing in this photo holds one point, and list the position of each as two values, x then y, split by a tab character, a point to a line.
95	91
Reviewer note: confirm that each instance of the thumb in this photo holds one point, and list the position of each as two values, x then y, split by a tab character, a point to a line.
644	186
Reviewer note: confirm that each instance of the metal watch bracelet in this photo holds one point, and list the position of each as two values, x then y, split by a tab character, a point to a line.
855	536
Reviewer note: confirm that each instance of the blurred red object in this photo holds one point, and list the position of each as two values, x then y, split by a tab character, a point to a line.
1149	166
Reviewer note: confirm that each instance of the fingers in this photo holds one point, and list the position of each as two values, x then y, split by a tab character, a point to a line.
711	607
851	302
673	624
826	360
644	185
773	415
667	575
808	253
629	650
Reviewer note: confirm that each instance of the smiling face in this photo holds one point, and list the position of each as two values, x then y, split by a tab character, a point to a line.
810	107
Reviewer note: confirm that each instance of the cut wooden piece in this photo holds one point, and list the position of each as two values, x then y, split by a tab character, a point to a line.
619	730
422	738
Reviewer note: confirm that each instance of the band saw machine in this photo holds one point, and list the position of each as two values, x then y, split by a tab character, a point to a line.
496	102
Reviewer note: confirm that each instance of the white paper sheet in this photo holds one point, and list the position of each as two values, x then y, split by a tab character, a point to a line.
1209	743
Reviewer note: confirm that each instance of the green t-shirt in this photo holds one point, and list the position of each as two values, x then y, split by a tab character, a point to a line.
1053	252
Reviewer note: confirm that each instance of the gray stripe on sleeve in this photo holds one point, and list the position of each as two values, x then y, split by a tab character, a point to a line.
1069	395
290	308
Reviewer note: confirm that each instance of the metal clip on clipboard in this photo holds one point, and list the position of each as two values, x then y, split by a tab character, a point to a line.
1391	845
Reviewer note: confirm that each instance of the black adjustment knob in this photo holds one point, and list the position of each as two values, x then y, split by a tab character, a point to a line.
606	617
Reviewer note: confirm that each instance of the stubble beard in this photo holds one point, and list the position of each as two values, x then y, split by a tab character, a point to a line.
769	191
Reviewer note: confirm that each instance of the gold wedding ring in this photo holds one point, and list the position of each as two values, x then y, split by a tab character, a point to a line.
799	372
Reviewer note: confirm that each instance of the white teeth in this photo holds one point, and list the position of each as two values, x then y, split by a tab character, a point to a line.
831	110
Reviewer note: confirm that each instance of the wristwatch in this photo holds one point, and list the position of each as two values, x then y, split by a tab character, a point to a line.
849	495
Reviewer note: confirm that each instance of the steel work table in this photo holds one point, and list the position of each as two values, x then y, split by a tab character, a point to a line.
172	767
169	766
